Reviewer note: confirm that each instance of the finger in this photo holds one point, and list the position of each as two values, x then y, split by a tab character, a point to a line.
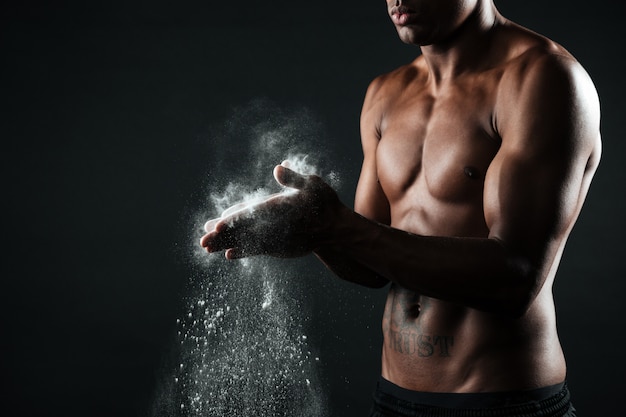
217	239
235	208
214	228
232	232
247	205
204	241
208	242
210	225
288	178
236	253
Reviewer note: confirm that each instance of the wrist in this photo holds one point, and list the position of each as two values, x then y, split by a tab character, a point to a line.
337	230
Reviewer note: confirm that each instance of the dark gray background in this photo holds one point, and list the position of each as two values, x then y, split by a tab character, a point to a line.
108	110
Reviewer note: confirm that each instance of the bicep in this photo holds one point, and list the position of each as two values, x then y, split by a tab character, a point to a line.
370	200
537	182
531	202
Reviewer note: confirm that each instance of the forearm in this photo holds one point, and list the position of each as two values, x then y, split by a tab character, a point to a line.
478	273
349	269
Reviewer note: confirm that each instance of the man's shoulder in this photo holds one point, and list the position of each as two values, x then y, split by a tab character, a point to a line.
395	81
532	55
544	78
541	71
534	68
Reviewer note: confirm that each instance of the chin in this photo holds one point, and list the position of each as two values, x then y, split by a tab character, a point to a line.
412	38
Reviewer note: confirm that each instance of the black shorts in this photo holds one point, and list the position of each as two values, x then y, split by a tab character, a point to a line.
391	400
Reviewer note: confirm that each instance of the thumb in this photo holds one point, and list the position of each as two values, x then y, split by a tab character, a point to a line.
288	178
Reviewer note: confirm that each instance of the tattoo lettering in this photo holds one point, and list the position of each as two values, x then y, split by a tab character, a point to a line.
444	342
403	330
424	345
425	348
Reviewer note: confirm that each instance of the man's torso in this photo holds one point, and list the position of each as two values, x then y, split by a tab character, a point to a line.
435	149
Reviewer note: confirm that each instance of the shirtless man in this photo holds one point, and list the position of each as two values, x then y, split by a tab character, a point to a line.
477	159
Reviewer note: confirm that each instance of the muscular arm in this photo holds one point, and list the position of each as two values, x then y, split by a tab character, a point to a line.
548	119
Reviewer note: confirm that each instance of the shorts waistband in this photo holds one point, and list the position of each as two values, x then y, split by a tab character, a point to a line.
472	400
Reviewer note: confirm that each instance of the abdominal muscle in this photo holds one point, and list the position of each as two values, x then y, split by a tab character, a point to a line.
435	346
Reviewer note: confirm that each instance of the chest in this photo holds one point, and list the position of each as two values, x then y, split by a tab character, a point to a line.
437	145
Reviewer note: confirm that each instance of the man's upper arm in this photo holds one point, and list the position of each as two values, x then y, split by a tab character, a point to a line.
548	117
370	200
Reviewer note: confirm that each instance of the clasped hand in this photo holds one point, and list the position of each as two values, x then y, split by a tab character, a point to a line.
287	224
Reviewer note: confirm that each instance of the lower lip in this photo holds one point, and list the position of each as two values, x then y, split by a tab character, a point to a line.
403	19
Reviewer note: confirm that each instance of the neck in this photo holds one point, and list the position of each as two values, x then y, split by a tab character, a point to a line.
466	48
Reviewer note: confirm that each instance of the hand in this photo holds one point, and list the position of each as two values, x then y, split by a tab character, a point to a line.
287	224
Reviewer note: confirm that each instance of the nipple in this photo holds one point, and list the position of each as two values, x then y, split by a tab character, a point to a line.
471	172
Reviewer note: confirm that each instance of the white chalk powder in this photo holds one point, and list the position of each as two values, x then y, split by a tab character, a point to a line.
243	346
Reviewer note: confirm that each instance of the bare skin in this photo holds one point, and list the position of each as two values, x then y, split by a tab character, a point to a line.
477	160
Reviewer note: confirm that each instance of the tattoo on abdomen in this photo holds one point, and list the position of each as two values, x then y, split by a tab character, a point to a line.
403	330
424	345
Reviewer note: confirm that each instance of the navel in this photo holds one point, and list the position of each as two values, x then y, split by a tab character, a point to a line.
414	310
472	173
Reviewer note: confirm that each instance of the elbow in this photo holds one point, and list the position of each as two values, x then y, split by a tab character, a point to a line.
525	284
518	304
519	290
511	303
